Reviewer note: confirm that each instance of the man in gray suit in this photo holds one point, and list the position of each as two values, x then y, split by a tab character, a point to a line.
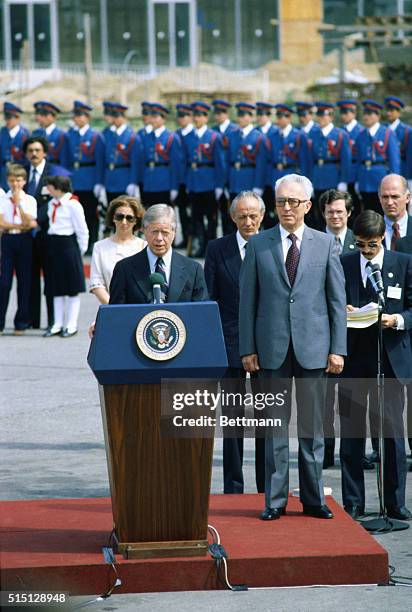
292	324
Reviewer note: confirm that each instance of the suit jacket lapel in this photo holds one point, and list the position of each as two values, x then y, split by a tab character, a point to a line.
232	258
178	277
305	252
277	252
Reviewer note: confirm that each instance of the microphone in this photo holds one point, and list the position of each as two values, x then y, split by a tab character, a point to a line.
374	273
157	280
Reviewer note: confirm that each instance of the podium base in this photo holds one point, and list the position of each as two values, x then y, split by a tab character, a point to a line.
384	524
152	550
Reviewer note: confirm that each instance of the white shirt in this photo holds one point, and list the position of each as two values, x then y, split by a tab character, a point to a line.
378	259
241	242
286	131
159	131
82	130
286	242
186	130
69	219
201	131
327	129
49	128
224	125
372	130
167	259
394	124
121	129
106	254
246	130
265	128
341	236
308	126
349	126
148	128
39	171
403	228
14	131
27	202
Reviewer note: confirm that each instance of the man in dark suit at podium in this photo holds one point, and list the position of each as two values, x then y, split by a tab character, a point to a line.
362	364
224	257
184	279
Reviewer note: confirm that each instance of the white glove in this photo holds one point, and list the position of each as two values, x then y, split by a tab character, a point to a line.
133	190
356	187
97	189
218	192
173	194
103	197
257	191
342	186
227	194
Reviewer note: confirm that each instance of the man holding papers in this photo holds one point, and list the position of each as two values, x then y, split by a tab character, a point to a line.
361	364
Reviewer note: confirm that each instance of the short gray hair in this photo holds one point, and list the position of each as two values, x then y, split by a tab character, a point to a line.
296	178
242	196
159	212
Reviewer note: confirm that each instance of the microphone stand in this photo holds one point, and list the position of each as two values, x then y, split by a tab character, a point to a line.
382	524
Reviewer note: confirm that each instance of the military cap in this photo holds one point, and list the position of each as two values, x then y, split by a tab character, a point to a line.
158	109
245	107
284	108
263	108
80	108
11	109
200	107
371	106
347	104
303	107
323	107
182	110
42	107
221	106
394	102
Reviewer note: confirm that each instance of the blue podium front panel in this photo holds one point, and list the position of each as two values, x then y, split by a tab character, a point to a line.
116	358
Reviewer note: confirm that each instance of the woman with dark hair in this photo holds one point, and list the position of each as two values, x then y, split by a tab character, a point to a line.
67	240
125	215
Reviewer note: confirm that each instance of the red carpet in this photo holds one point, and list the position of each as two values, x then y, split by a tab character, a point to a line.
57	544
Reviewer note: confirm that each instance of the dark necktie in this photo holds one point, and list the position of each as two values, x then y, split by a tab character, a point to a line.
161	269
370	291
395	235
337	247
32	184
292	259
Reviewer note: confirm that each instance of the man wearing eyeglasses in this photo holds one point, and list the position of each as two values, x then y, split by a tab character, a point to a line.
292	324
361	366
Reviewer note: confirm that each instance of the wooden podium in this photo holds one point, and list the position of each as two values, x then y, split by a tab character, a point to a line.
159	484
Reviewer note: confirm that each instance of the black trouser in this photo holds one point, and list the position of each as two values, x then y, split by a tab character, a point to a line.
183	203
233	447
314	217
155	197
16	255
91	212
270	218
370	201
39	264
203	205
329	418
227	224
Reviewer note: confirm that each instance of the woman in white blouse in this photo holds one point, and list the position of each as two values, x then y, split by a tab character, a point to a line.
125	215
67	240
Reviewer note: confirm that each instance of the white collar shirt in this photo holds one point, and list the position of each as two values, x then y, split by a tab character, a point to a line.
286	242
82	131
308	126
286	131
246	130
327	129
265	128
378	259
403	228
186	130
28	204
201	131
167	260
49	129
341	235
241	243
223	126
68	219
375	127
349	126
394	124
14	131
159	131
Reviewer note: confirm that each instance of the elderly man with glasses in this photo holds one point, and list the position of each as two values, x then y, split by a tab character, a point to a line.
292	324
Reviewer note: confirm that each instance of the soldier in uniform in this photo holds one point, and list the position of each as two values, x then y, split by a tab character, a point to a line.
347	109
45	114
267	128
120	156
393	107
247	154
331	160
304	111
159	160
377	154
224	126
86	164
108	117
12	137
146	118
184	118
205	177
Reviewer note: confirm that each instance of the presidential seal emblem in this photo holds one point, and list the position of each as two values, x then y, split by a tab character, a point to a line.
160	335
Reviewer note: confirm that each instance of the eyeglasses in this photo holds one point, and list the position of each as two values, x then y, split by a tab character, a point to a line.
335	213
370	245
121	217
293	202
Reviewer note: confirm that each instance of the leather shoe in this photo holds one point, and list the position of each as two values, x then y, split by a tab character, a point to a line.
66	334
51	332
271	514
322	512
367	464
355	511
399	512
